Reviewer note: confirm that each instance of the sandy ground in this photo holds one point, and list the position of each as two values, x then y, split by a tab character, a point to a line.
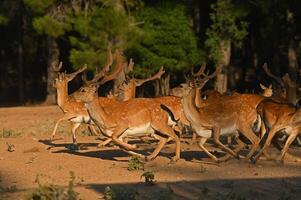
33	155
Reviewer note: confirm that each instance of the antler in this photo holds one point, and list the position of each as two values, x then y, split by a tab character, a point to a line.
72	75
156	76
200	72
286	78
104	70
58	67
268	72
118	69
201	82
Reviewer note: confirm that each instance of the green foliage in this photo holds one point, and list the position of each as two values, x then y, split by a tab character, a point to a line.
226	26
6	133
49	26
95	31
38	6
49	191
135	164
169	40
119	194
149	177
3	20
9	189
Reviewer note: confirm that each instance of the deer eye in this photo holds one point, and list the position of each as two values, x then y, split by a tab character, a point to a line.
204	96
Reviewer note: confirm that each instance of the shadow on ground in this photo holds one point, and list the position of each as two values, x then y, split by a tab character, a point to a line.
271	188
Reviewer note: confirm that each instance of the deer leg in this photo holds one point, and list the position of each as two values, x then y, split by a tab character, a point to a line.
216	135
193	138
240	146
201	142
115	138
162	142
75	126
93	130
169	132
288	142
267	143
56	125
247	131
104	143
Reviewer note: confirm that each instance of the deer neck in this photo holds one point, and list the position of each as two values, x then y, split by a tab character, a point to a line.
62	96
198	99
190	110
98	114
129	90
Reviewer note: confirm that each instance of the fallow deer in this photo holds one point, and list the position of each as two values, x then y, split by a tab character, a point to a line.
233	114
133	118
279	118
75	111
128	89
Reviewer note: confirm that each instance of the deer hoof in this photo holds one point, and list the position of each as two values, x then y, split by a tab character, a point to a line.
174	160
149	158
253	160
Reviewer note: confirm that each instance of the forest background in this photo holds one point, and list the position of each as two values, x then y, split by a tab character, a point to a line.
180	35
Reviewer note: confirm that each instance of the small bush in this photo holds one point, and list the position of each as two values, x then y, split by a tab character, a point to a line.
48	191
135	164
120	194
6	133
149	177
10	189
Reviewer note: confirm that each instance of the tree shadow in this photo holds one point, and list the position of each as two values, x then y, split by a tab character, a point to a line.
264	188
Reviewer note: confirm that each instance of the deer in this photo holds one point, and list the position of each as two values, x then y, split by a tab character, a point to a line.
267	90
73	110
127	90
233	114
280	95
133	118
279	118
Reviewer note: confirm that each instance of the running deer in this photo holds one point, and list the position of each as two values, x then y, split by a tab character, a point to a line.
233	114
279	118
127	90
73	110
133	118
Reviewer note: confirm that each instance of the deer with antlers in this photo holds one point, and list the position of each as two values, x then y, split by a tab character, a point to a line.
124	86
280	119
229	115
75	111
133	118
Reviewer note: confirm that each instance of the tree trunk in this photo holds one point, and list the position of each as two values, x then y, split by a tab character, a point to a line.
291	90
196	16
156	84
20	59
53	59
164	85
221	83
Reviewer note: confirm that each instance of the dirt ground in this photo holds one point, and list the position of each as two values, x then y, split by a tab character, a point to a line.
27	153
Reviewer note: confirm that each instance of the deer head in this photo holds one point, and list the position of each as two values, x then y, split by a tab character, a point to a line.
63	78
102	72
267	91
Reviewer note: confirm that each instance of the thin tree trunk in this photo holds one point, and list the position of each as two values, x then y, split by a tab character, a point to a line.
53	58
291	91
164	85
156	84
21	73
20	63
221	83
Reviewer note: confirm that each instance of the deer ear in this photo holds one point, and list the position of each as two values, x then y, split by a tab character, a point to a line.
270	86
262	86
